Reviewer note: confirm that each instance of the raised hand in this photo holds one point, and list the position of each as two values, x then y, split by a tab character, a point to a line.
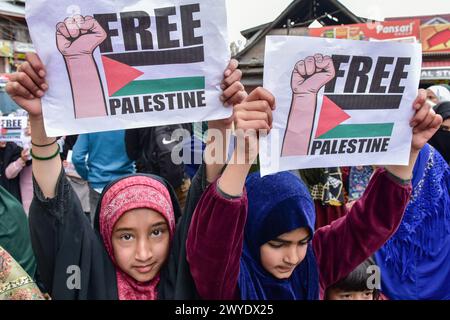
233	89
251	116
233	93
25	155
79	35
425	122
28	85
255	112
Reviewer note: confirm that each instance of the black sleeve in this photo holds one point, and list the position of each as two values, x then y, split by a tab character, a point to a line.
176	280
174	173
198	186
13	153
69	142
71	259
132	143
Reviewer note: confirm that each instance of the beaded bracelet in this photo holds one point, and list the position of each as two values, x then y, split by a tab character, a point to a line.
45	158
43	145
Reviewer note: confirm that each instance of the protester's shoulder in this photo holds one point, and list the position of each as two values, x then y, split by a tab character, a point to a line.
11	211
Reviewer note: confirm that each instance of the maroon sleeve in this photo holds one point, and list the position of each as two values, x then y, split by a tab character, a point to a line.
214	243
350	240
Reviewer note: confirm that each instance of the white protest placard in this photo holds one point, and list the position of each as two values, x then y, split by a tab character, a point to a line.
118	64
339	102
12	128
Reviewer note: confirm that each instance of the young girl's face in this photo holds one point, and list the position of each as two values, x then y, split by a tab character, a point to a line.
283	254
336	294
141	241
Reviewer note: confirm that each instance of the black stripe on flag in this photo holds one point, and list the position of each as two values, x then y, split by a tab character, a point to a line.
151	58
366	102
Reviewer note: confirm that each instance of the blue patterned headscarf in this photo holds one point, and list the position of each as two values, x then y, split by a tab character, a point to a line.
415	261
277	204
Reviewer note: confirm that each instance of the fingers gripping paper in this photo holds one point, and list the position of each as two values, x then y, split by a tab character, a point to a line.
339	102
117	64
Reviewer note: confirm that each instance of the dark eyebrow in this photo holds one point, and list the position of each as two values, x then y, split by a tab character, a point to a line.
158	224
306	239
281	241
124	230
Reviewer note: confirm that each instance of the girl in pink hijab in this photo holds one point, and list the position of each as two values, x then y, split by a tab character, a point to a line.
137	224
133	251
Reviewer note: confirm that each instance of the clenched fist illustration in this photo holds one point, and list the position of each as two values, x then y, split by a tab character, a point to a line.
308	77
311	74
79	35
77	38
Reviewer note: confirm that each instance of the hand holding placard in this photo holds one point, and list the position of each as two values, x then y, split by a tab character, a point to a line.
27	86
425	123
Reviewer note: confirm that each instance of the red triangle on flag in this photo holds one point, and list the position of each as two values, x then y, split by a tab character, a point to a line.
118	74
331	116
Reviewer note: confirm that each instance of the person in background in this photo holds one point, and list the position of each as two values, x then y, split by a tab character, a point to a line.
358	284
415	262
69	143
152	148
438	94
10	155
15	283
358	179
100	158
441	140
22	168
15	232
327	189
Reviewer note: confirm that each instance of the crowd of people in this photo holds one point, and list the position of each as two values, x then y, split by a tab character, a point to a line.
113	206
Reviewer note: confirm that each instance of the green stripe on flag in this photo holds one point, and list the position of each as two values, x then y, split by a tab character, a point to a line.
359	131
161	85
17	133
